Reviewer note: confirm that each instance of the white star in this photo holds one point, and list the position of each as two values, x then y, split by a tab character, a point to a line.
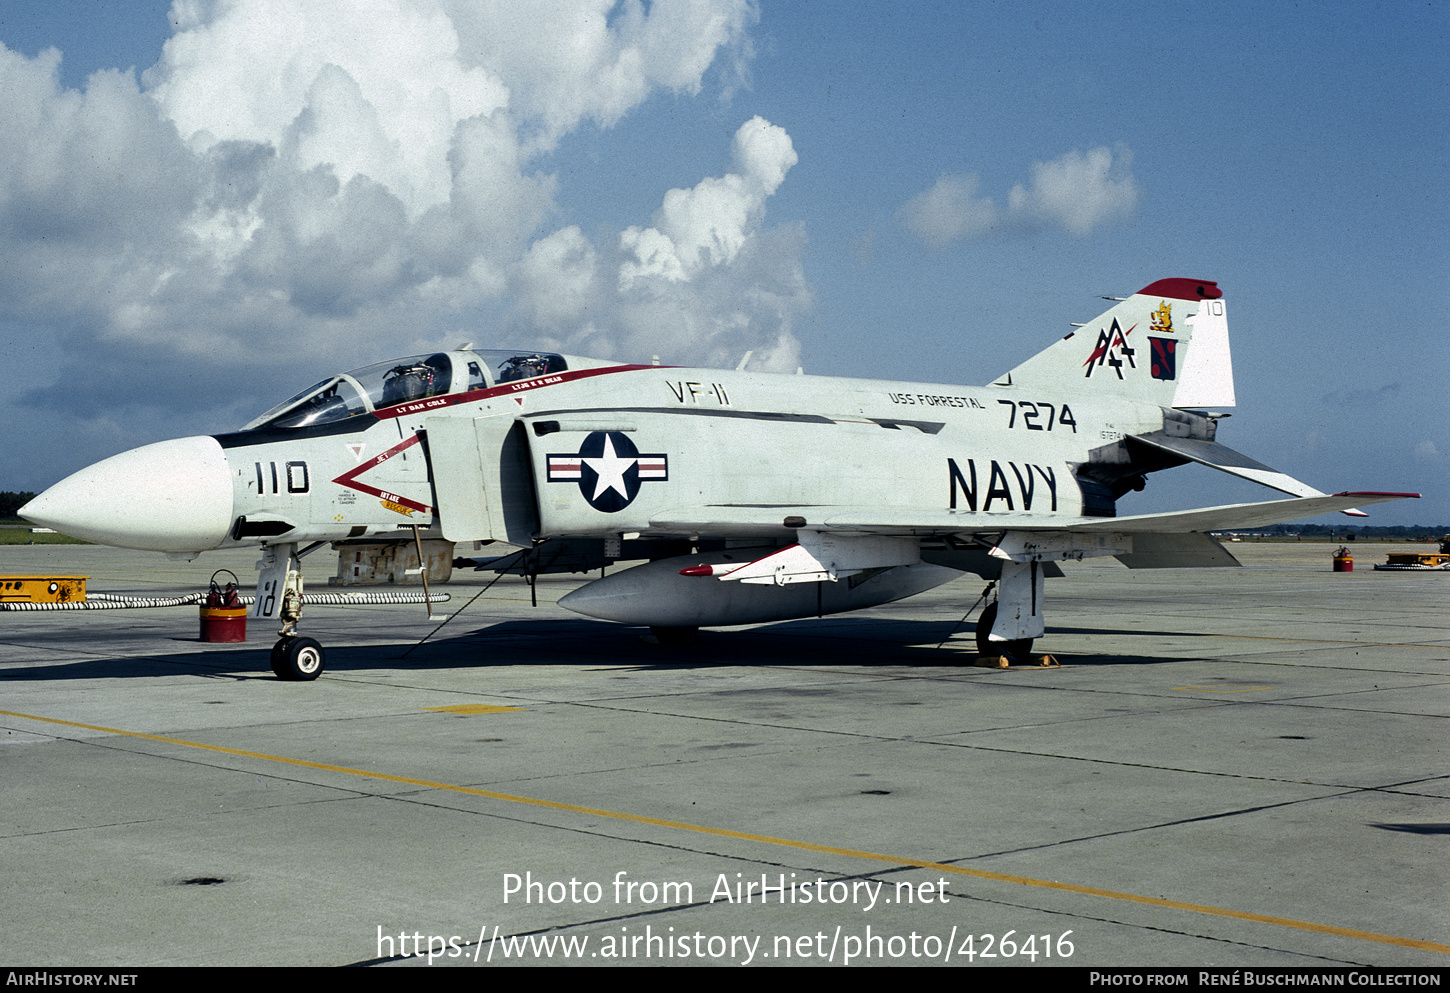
610	469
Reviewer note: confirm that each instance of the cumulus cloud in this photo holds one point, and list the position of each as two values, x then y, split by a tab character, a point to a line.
709	225
557	279
1076	192
320	184
705	283
950	211
724	310
376	89
595	59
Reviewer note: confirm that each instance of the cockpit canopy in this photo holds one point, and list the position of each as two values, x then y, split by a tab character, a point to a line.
406	380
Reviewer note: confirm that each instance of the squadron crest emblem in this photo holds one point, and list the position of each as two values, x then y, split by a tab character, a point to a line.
1163	318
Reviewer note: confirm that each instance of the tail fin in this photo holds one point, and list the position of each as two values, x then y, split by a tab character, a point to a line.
1167	344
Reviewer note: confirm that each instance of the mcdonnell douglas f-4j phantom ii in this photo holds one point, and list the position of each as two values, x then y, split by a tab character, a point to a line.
755	497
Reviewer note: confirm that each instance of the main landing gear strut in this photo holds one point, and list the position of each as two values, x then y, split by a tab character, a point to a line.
1012	621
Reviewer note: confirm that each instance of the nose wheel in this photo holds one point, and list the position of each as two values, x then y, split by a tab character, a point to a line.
298	659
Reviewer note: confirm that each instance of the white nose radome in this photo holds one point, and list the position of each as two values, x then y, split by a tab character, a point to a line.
173	496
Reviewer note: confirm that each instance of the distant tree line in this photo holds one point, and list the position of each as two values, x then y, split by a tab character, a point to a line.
1403	531
10	503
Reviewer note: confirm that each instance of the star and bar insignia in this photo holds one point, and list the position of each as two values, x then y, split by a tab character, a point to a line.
609	470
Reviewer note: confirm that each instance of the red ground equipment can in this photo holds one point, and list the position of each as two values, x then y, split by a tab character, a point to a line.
223	617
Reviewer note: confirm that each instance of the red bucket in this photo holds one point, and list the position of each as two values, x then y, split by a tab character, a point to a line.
223	618
223	623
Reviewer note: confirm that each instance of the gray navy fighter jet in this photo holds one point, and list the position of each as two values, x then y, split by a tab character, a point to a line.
754	497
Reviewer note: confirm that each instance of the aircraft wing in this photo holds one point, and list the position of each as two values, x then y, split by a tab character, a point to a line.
746	521
1237	515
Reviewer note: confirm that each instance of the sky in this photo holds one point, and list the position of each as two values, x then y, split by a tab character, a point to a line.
205	206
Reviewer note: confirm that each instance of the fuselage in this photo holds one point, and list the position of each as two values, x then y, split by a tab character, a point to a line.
600	450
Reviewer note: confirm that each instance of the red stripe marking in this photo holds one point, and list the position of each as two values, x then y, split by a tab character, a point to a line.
349	478
507	389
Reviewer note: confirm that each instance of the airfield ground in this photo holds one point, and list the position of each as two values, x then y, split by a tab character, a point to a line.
1232	767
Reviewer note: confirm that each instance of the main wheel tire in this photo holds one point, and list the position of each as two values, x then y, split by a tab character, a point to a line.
1016	651
300	659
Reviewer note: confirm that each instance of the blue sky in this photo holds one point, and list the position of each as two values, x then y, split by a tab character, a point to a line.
1297	155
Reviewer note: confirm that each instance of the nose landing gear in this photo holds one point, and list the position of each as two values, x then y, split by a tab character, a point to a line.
294	658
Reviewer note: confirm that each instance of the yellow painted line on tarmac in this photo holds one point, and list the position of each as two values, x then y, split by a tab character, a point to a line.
473	708
765	839
1224	688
